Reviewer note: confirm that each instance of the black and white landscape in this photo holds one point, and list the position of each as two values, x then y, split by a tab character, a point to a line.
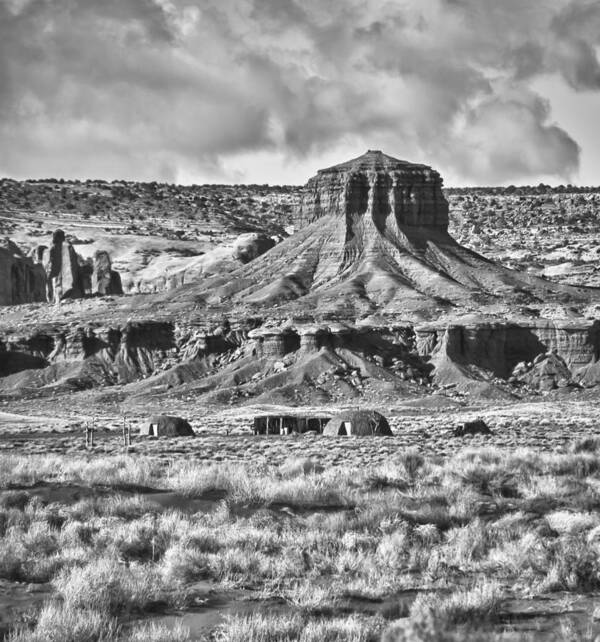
299	320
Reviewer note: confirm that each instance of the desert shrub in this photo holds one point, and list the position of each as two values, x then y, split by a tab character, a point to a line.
183	563
489	480
238	566
14	499
573	565
296	627
157	633
295	466
569	522
422	627
124	506
411	461
105	586
476	604
61	623
11	561
581	464
586	445
307	597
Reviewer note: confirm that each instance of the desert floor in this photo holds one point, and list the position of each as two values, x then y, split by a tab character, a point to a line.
231	536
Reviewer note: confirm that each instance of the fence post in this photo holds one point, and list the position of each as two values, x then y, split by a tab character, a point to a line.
92	432
87	435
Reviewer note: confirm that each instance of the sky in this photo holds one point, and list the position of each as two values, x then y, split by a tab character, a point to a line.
489	92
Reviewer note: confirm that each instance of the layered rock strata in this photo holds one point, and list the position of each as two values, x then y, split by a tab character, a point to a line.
541	356
375	240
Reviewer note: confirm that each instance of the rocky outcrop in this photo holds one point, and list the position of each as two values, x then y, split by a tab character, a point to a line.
375	239
546	372
384	187
67	275
543	355
64	279
248	247
222	259
95	355
21	280
499	347
105	280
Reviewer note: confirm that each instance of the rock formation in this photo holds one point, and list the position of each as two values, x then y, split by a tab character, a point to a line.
371	297
375	240
105	280
70	276
222	259
248	247
21	280
64	279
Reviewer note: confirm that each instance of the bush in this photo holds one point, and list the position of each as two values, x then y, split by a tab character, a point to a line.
62	623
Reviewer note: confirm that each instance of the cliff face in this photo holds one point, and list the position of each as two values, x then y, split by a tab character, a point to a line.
260	361
380	186
504	350
53	273
95	356
21	280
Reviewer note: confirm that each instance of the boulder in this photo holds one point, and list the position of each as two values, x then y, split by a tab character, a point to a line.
248	247
477	427
547	372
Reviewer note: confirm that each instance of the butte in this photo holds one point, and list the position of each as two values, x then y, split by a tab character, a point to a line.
374	239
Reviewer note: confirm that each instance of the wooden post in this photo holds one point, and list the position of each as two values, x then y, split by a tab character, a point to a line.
128	433
92	432
87	435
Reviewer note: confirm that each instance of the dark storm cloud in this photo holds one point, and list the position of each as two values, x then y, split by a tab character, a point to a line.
159	89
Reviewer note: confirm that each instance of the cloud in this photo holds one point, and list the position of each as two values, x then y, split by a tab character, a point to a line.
164	89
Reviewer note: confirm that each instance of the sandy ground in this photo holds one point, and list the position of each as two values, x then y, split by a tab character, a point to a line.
226	435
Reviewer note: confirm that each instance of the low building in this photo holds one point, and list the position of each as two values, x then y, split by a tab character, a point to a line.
358	422
286	424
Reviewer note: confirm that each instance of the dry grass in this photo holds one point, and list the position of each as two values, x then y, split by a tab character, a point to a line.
306	536
277	628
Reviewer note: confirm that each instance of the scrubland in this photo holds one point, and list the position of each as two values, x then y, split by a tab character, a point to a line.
489	544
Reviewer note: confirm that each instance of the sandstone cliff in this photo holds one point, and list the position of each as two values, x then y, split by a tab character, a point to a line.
53	273
376	239
21	280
